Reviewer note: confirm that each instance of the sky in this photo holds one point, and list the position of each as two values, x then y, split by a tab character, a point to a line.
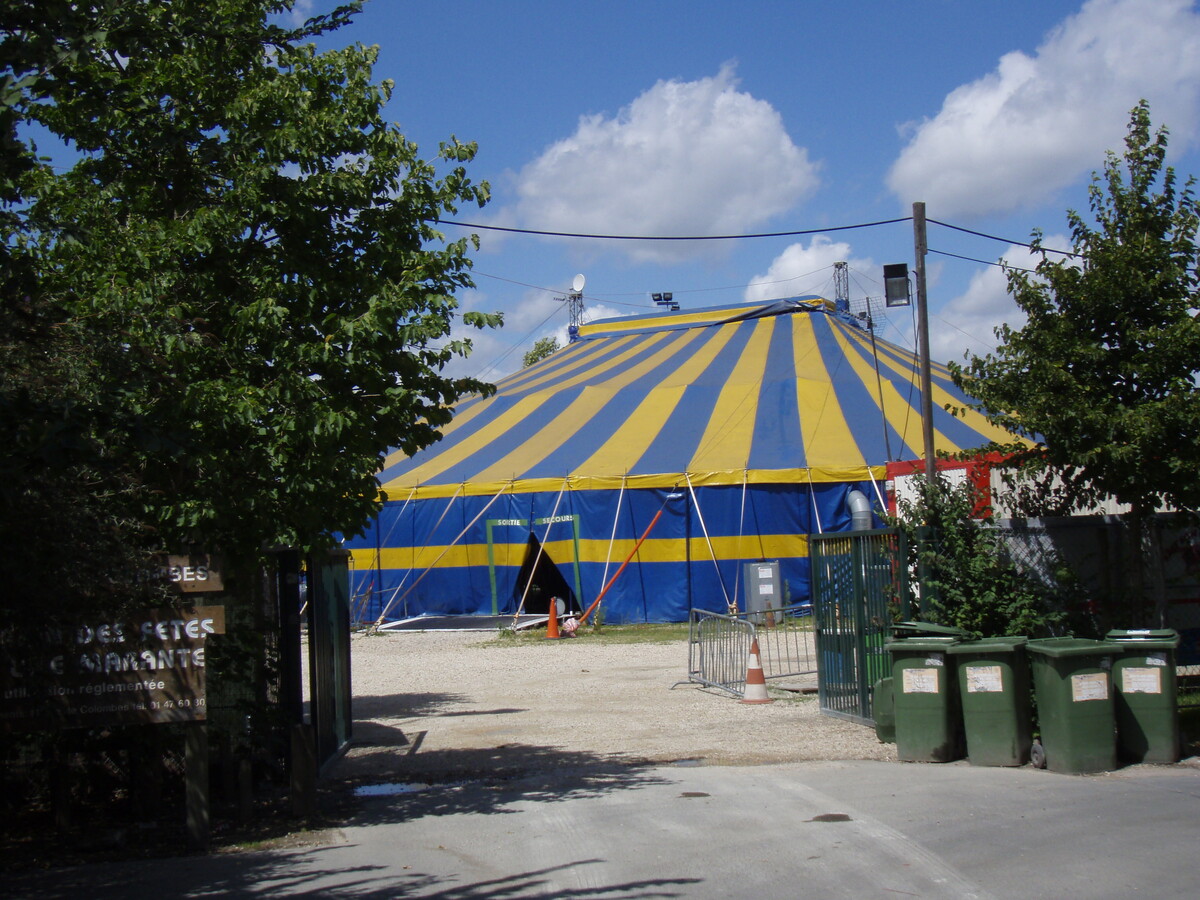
719	119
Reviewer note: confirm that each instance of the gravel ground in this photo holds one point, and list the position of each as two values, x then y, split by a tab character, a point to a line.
436	706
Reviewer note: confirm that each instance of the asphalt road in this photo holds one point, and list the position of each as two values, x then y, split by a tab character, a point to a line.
826	829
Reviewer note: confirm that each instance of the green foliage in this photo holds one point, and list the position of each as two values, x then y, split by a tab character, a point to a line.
542	348
964	573
1104	373
239	288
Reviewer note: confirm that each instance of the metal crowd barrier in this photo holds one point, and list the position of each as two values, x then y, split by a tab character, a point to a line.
719	646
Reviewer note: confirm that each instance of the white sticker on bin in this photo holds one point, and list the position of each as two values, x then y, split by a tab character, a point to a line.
1156	659
985	679
935	660
1135	680
919	681
1089	687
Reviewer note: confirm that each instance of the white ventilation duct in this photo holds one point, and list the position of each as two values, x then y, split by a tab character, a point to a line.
860	511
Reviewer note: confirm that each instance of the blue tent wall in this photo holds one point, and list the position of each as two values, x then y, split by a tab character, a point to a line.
422	569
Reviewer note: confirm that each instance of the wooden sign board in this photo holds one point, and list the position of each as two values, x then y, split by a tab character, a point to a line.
144	668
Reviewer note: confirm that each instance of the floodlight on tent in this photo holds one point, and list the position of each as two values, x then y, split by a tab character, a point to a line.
895	284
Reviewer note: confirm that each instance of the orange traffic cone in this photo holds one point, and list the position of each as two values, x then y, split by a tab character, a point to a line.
552	622
756	684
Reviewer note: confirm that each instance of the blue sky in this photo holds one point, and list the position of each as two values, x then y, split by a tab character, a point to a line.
684	117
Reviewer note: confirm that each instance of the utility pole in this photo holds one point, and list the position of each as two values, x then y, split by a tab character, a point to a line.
921	247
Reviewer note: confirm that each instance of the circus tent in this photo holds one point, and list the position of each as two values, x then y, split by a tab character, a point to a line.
687	445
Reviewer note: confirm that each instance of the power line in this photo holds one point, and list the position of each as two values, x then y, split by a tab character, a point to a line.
982	262
660	237
992	237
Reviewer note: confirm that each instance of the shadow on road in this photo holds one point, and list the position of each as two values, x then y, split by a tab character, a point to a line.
402	779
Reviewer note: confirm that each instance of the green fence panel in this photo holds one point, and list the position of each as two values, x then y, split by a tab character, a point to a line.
857	578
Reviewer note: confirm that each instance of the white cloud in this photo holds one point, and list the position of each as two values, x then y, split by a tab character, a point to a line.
802	270
697	157
1037	123
301	12
968	322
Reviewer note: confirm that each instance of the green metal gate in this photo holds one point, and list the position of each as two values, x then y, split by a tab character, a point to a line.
329	652
858	578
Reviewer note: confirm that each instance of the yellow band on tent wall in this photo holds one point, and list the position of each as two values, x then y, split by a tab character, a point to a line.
767	546
401	487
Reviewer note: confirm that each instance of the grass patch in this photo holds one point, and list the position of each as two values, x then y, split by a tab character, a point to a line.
669	633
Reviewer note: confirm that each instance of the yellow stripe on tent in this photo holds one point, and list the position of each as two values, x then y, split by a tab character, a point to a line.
899	413
823	427
653	550
502	424
583	364
641	427
726	441
525	380
941	397
582	410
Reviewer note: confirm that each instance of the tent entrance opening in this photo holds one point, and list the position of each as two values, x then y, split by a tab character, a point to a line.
545	581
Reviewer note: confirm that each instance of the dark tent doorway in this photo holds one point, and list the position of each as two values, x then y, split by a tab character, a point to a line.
547	582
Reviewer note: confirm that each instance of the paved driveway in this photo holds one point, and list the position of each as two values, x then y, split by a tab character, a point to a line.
823	829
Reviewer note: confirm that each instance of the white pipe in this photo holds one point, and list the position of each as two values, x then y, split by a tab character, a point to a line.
538	557
732	607
860	511
445	550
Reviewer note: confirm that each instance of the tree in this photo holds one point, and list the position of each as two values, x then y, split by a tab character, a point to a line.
1102	377
966	574
245	256
542	348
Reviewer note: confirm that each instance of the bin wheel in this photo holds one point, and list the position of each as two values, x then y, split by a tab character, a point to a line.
1037	755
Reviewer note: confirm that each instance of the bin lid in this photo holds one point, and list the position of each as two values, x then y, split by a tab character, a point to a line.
923	644
1066	646
990	645
1147	638
905	629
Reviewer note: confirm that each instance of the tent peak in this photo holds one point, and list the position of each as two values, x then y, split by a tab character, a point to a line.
712	315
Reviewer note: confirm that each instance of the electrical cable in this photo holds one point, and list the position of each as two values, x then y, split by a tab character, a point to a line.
660	237
992	237
982	262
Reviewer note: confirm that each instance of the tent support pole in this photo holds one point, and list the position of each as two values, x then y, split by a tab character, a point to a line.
812	495
613	537
882	502
632	554
538	557
737	575
445	550
732	607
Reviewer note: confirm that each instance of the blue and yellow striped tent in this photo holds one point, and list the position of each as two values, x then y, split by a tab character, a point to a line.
746	426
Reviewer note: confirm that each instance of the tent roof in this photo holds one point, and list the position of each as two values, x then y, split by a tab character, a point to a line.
784	391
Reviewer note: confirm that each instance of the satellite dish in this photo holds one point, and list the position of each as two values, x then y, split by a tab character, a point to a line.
577	283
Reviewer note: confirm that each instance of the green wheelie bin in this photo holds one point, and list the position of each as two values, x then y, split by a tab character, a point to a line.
1145	695
993	685
1072	685
928	725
